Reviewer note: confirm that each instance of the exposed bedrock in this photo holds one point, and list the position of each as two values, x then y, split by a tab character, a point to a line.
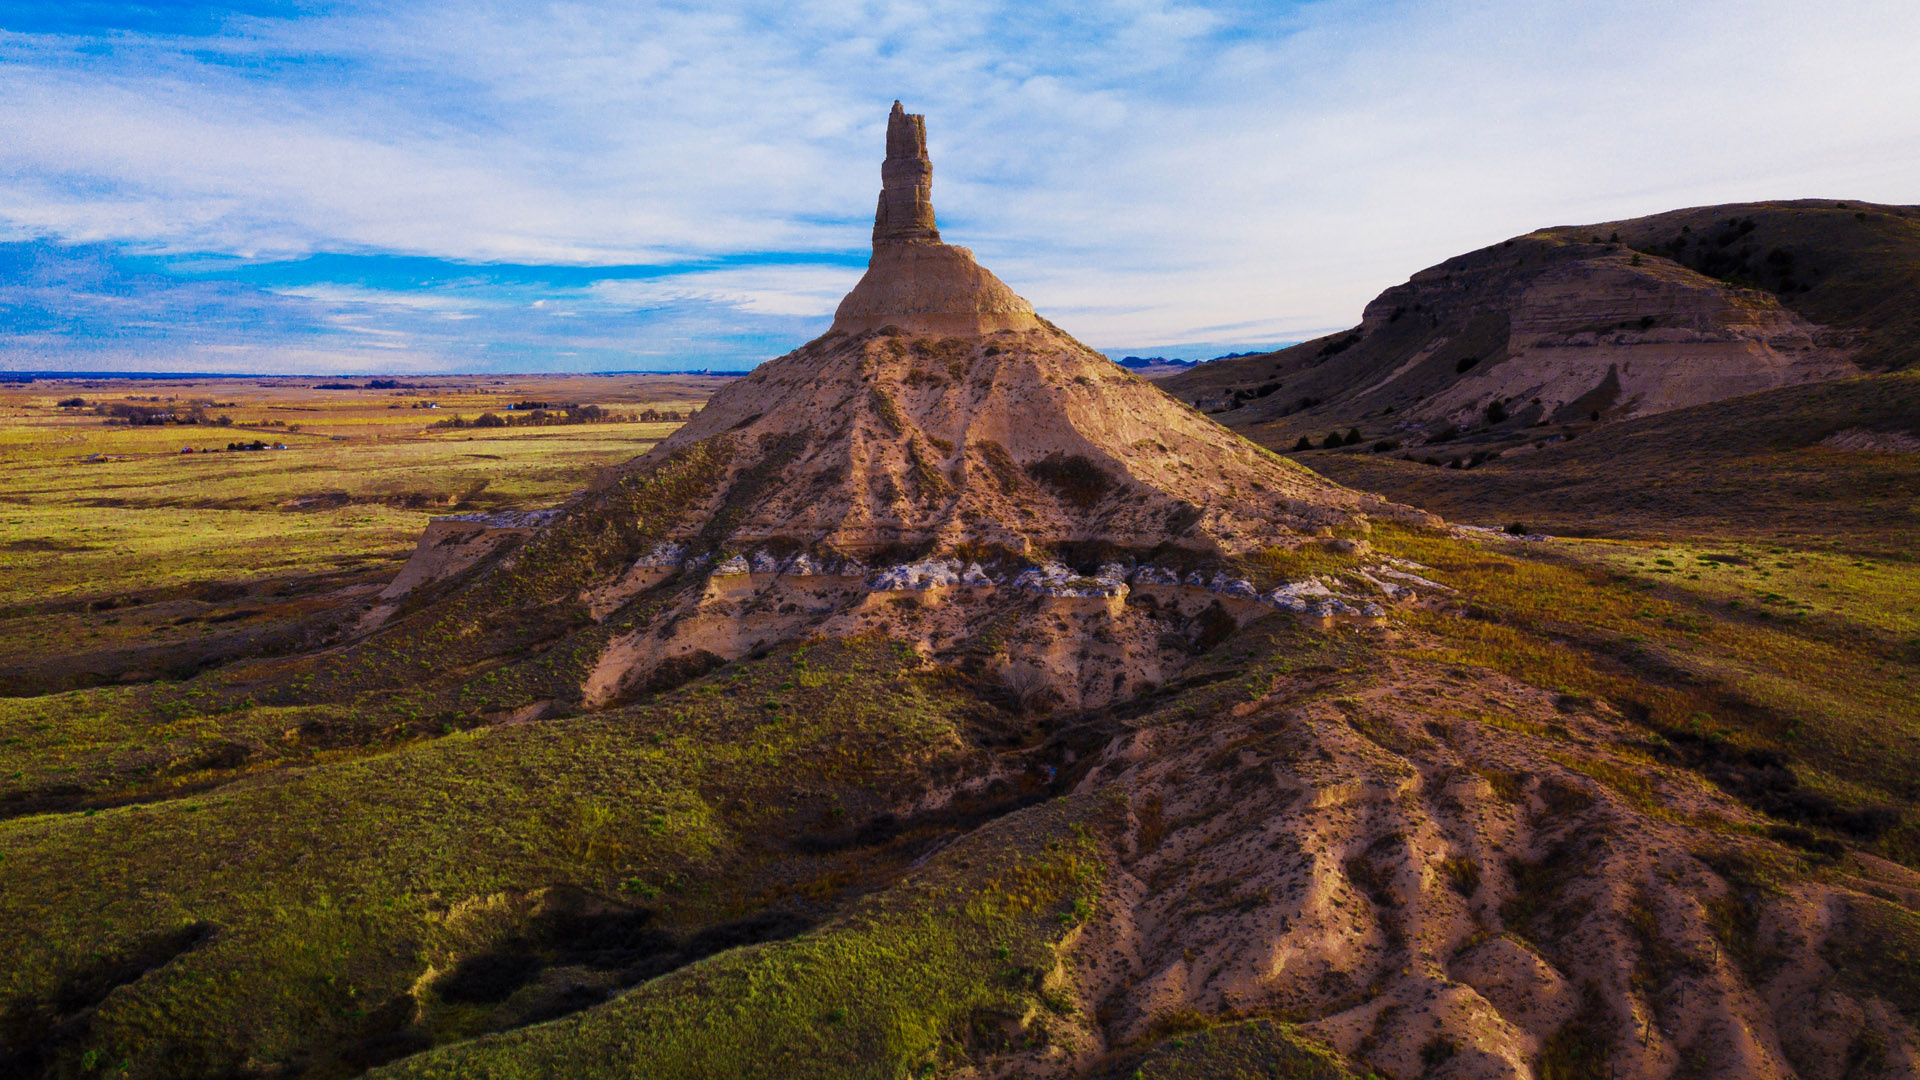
1447	878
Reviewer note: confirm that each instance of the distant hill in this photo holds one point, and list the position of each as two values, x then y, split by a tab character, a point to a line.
1155	367
1577	325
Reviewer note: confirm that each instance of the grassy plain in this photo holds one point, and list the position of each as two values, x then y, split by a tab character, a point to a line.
126	557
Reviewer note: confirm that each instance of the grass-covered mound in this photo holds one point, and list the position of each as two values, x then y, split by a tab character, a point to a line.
294	918
955	958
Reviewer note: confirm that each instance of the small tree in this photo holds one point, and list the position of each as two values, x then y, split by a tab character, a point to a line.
1304	444
1496	411
1333	441
1353	437
1025	687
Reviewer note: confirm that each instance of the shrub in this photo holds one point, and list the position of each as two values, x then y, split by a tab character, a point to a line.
1517	528
1074	478
1465	364
1385	445
1333	441
1304	444
1353	437
886	410
71	403
1496	411
1340	345
1024	687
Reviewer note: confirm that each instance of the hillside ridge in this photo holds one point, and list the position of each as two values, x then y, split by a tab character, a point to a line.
1585	324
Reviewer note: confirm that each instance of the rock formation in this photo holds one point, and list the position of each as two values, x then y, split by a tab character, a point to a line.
941	419
939	409
915	283
906	182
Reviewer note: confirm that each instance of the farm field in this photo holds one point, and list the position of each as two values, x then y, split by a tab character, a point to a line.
127	557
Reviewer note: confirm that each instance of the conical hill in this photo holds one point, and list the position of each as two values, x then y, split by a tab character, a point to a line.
941	410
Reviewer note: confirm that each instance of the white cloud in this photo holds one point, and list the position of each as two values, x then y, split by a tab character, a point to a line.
763	290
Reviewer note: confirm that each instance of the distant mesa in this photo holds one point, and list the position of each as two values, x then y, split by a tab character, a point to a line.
1155	367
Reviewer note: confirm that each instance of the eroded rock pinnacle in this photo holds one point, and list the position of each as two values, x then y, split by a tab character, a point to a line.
906	182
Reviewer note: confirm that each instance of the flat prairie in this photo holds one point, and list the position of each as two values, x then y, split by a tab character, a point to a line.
125	556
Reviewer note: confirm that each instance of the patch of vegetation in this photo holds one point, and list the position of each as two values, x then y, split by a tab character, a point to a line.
1538	912
1753	876
1461	874
1001	465
1792	718
1260	1049
927	479
335	888
924	975
1074	478
887	412
1876	952
1581	1049
1275	566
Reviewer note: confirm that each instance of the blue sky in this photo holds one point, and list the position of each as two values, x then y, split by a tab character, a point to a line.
395	187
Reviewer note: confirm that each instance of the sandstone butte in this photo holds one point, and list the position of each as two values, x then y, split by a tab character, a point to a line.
940	409
1437	870
940	418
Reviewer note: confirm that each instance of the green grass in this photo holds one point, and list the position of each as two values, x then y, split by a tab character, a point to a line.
494	642
334	887
1257	1049
950	962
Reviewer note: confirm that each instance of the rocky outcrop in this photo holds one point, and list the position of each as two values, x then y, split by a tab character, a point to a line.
915	283
906	182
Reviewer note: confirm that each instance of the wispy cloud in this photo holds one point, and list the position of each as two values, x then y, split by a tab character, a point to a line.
1146	171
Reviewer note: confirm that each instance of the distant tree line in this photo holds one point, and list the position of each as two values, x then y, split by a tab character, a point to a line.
563	414
120	412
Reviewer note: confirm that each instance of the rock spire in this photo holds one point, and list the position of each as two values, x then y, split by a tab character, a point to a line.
914	282
906	182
